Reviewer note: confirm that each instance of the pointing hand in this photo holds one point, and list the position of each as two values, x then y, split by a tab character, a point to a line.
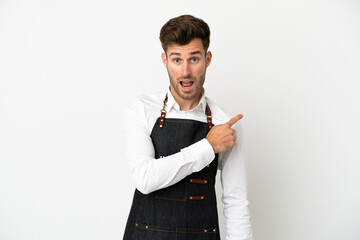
221	137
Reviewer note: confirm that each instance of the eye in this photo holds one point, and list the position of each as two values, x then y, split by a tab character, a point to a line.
176	60
194	59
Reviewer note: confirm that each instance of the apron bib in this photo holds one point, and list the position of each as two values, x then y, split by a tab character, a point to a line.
186	210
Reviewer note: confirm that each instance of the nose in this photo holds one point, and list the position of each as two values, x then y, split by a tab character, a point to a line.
186	70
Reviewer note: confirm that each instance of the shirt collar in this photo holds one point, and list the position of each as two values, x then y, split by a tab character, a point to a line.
173	105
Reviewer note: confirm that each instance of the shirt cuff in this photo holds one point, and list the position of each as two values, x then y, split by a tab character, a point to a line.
201	153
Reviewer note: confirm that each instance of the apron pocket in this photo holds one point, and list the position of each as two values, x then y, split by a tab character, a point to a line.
143	231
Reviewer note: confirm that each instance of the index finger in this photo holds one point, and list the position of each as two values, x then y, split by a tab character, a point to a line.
234	120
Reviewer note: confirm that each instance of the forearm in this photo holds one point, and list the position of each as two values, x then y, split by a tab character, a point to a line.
237	219
150	174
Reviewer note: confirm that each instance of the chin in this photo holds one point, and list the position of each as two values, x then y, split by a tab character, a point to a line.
189	96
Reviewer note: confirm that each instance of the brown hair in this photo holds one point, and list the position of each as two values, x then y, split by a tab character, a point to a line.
183	29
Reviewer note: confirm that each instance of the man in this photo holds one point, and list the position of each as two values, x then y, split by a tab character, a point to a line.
176	141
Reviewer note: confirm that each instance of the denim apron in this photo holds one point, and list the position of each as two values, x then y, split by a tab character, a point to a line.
186	210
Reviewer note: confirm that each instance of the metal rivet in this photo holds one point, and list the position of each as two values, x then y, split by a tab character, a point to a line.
205	230
191	180
147	227
136	224
202	197
161	125
205	181
214	230
190	198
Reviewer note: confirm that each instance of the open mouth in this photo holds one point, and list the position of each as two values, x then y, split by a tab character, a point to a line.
187	84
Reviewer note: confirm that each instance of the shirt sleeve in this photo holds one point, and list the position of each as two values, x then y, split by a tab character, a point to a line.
150	174
233	180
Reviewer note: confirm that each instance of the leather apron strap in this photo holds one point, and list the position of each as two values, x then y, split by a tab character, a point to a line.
163	113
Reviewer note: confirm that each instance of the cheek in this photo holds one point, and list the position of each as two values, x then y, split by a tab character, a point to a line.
199	69
172	70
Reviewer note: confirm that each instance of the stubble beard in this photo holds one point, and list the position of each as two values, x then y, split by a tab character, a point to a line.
197	89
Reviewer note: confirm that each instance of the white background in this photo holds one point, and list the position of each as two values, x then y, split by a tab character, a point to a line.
68	68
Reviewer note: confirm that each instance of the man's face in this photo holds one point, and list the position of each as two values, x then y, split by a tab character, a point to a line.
186	66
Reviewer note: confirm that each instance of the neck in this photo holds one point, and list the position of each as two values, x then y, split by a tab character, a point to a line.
187	104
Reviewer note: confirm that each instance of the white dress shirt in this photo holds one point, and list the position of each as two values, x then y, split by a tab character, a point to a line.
150	175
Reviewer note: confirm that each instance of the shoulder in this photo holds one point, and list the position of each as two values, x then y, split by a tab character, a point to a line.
219	115
142	111
147	102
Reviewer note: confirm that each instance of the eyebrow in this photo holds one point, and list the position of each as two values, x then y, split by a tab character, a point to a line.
178	54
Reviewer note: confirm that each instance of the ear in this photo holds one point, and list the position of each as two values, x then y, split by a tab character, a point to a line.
208	58
164	58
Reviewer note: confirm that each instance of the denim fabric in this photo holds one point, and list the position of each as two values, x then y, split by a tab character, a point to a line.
170	213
